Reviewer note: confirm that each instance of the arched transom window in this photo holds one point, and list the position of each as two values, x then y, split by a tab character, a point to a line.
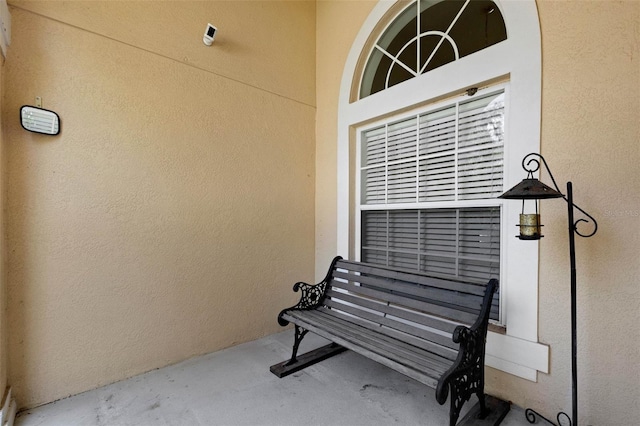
427	35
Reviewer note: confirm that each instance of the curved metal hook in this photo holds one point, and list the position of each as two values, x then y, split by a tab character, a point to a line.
532	169
531	164
532	416
526	164
575	225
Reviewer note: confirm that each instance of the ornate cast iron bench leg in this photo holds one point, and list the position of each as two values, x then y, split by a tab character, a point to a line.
299	335
463	384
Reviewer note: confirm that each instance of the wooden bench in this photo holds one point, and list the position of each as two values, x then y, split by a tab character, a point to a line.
431	329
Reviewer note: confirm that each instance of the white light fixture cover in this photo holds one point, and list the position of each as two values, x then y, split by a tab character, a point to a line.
39	120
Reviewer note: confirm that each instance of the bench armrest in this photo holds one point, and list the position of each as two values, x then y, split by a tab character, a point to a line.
311	296
468	367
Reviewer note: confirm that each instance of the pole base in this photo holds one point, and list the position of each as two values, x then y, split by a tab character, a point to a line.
498	409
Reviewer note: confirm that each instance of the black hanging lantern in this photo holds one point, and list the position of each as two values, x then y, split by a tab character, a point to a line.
530	189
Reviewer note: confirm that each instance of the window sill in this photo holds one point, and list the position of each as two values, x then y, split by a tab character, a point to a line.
497	328
516	356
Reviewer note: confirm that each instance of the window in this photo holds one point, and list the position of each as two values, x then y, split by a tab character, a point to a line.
405	203
428	186
427	35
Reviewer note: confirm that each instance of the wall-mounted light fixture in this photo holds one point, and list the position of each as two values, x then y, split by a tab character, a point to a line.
532	189
39	120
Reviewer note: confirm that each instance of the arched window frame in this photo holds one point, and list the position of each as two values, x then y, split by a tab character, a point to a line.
518	60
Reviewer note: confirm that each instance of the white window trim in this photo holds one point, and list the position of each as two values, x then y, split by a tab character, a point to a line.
519	59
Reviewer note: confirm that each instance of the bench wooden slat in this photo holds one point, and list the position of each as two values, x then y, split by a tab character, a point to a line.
418	287
397	352
464	285
469	302
380	318
430	280
409	315
414	374
400	351
423	338
415	344
443	311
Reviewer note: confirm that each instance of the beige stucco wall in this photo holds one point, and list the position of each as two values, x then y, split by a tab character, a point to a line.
176	209
590	134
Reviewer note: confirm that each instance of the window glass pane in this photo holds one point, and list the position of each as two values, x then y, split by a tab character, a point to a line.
481	140
398	75
437	155
374	237
377	257
439	15
403	239
403	138
403	260
479	243
449	30
438	241
459	243
374	146
401	31
480	174
444	52
374	77
374	229
403	231
480	26
408	55
374	184
437	178
402	184
482	121
396	41
437	131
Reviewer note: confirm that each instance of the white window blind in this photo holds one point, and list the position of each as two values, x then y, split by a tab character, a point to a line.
453	242
455	153
428	184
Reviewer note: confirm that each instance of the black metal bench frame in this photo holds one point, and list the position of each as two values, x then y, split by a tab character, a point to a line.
322	311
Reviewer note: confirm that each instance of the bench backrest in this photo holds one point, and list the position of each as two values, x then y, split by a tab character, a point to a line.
419	309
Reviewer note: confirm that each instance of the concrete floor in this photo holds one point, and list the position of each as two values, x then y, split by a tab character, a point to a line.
235	387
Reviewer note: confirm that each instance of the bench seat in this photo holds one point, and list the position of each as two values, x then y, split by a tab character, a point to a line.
413	361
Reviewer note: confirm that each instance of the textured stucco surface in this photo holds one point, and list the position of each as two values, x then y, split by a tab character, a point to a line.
338	23
590	133
263	44
175	210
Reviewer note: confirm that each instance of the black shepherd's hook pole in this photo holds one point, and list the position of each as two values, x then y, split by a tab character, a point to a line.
531	163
